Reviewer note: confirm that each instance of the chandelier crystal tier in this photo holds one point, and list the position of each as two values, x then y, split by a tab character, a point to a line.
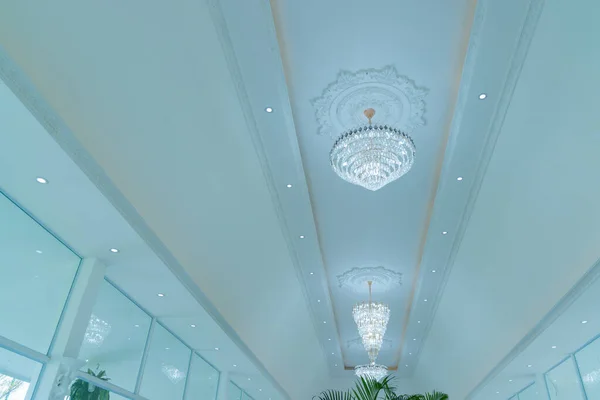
372	371
371	320
372	156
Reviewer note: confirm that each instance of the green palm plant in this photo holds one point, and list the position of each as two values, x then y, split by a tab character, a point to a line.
82	390
372	389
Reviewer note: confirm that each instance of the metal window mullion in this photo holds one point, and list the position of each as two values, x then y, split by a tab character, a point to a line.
579	379
138	382
187	375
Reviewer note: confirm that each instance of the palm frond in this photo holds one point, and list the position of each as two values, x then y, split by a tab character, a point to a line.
435	395
334	395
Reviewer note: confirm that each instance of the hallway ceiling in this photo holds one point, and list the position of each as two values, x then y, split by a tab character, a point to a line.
169	103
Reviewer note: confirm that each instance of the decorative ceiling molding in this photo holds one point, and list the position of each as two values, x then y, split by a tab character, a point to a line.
356	279
518	57
398	101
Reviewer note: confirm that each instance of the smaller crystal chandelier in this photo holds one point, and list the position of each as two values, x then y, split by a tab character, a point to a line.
371	371
371	320
372	156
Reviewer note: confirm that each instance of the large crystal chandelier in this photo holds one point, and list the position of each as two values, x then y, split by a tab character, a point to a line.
373	155
371	371
371	320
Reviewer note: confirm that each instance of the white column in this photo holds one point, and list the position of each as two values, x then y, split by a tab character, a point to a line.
223	385
56	376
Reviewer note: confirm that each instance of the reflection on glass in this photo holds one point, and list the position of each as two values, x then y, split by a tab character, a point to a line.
16	372
36	274
166	367
203	380
530	393
234	392
588	360
563	383
115	337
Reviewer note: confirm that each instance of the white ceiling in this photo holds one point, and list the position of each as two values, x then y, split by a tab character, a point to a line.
73	209
178	141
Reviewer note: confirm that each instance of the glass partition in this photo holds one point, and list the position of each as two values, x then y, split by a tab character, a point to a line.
531	393
166	366
115	337
37	272
588	360
234	392
563	382
16	372
203	380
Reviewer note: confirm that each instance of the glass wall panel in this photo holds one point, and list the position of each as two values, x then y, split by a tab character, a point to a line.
588	360
563	383
531	393
16	372
115	337
37	272
235	393
203	380
166	367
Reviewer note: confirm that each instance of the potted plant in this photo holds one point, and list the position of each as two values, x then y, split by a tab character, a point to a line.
372	389
82	390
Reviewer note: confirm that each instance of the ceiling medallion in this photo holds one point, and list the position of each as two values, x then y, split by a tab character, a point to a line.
373	155
371	371
398	100
371	320
383	278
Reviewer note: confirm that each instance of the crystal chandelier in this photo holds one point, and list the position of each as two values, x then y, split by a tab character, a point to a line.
372	156
371	320
371	371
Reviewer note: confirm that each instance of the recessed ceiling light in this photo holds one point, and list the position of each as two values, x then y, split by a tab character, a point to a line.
482	96
193	325
329	339
410	354
312	273
249	379
234	365
584	322
128	338
553	347
418	322
160	295
216	348
113	250
335	365
166	348
460	178
424	299
288	185
87	360
444	233
333	354
137	325
319	300
415	339
406	365
529	366
39	179
260	390
433	270
269	109
38	251
324	322
497	392
301	236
